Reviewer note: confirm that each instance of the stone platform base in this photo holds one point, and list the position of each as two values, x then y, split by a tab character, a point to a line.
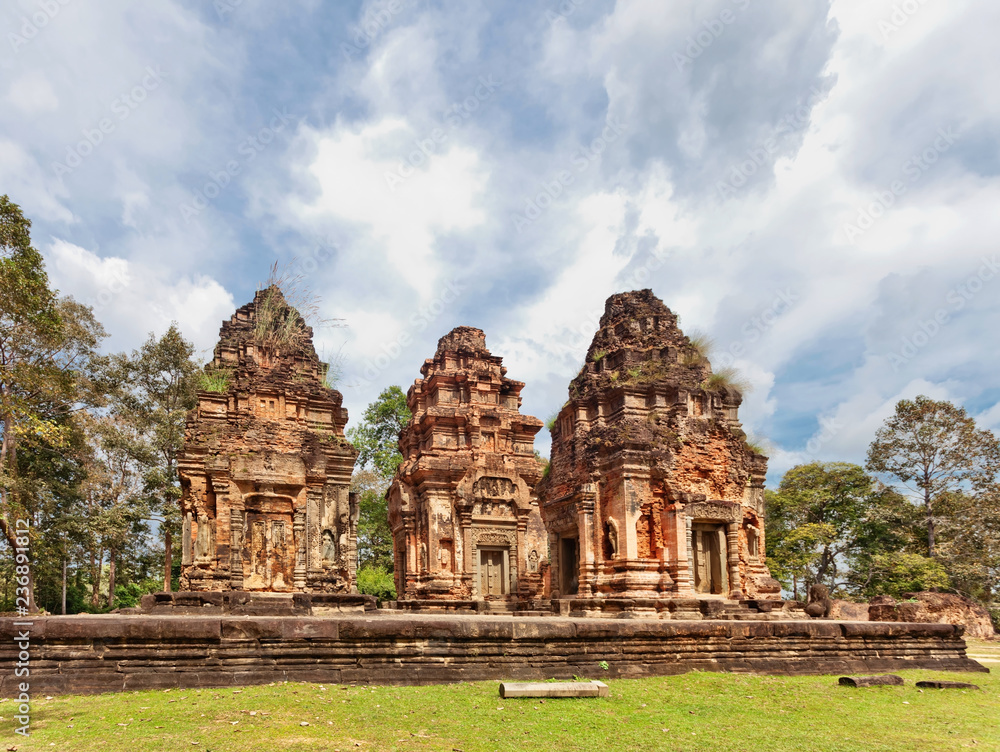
246	603
85	654
687	609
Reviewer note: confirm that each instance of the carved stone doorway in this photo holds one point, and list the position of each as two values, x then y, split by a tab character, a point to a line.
708	552
492	572
569	567
268	553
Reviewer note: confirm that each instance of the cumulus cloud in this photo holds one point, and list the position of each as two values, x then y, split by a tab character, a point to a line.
132	300
812	185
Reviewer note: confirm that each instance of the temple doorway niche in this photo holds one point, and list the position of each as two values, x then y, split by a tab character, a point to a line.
268	546
569	566
708	552
493	572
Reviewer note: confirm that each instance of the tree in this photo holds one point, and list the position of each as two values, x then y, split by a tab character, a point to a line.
934	448
151	392
969	546
377	436
47	345
897	573
377	441
828	520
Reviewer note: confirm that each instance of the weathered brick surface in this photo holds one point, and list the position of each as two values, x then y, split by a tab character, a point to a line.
935	607
462	507
83	654
652	490
265	470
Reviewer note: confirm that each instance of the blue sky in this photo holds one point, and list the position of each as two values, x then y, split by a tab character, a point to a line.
812	185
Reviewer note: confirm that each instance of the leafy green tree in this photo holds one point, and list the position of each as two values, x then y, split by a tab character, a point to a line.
47	345
827	521
897	573
815	514
969	544
151	391
934	448
377	441
377	436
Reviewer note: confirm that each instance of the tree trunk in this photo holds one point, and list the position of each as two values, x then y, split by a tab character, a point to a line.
32	606
168	563
928	508
95	579
111	579
64	587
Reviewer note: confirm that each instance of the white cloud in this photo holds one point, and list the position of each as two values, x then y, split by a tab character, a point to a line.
404	200
133	299
32	93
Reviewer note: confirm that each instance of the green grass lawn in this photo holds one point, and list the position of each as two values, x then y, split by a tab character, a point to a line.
697	711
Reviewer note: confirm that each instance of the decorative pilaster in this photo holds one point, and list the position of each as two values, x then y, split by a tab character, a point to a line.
735	588
186	540
236	549
299	536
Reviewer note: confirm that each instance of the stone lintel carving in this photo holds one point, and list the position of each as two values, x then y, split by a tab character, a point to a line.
716	510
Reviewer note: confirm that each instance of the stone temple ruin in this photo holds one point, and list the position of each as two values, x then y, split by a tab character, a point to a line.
652	493
266	471
462	508
652	506
652	490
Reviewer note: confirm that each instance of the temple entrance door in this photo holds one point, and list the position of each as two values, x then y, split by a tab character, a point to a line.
492	580
268	558
569	567
708	549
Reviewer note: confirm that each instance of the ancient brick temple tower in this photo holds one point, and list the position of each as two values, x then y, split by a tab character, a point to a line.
652	490
265	469
462	507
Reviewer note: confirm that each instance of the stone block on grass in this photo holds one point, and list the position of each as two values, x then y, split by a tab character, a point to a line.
872	681
554	689
945	685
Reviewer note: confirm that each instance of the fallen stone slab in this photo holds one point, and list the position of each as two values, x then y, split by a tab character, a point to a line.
554	689
945	685
872	681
